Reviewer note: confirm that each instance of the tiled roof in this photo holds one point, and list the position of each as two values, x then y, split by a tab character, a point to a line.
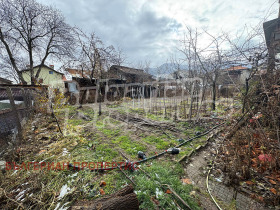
235	68
79	73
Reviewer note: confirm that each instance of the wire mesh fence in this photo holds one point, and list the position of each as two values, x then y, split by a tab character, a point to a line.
17	104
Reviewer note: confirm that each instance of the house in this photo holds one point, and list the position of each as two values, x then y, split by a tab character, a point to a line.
272	37
78	82
130	75
48	76
234	75
4	81
180	74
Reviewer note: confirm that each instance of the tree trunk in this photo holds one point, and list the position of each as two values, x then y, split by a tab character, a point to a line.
191	106
32	78
100	99
246	93
121	200
214	96
82	100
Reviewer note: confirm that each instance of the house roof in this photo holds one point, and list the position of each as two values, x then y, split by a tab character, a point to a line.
79	73
5	80
43	66
237	68
269	27
128	70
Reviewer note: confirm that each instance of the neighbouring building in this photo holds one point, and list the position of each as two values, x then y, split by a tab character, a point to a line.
48	76
79	73
272	37
130	75
4	81
82	77
234	75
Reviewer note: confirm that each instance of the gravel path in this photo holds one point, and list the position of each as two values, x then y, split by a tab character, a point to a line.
197	169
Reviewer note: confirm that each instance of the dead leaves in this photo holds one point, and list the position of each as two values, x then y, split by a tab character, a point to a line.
254	160
256	135
260	198
273	190
102	183
101	191
168	191
186	181
249	182
273	179
272	182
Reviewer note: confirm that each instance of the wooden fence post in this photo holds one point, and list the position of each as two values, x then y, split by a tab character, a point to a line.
14	109
24	98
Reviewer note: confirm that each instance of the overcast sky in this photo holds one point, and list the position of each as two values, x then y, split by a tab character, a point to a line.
151	29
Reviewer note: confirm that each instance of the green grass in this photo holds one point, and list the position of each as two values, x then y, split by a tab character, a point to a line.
128	145
161	173
76	122
110	133
159	141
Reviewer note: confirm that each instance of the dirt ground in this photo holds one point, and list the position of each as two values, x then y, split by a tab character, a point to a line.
117	135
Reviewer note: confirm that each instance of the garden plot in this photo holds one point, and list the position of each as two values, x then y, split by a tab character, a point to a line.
104	138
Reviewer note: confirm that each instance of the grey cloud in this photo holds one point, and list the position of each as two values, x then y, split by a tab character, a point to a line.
144	33
203	20
115	22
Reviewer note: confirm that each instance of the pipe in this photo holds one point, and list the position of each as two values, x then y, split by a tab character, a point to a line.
130	165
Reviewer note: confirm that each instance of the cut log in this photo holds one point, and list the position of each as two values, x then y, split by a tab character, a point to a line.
123	199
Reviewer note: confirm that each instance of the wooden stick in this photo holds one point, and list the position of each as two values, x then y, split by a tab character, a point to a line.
126	176
177	196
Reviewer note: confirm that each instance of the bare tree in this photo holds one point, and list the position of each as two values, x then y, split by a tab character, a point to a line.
248	48
144	65
33	32
207	58
119	58
94	55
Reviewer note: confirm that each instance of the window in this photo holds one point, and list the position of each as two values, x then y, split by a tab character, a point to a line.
277	36
50	72
277	51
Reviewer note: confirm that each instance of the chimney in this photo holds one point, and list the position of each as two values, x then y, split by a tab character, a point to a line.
52	66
